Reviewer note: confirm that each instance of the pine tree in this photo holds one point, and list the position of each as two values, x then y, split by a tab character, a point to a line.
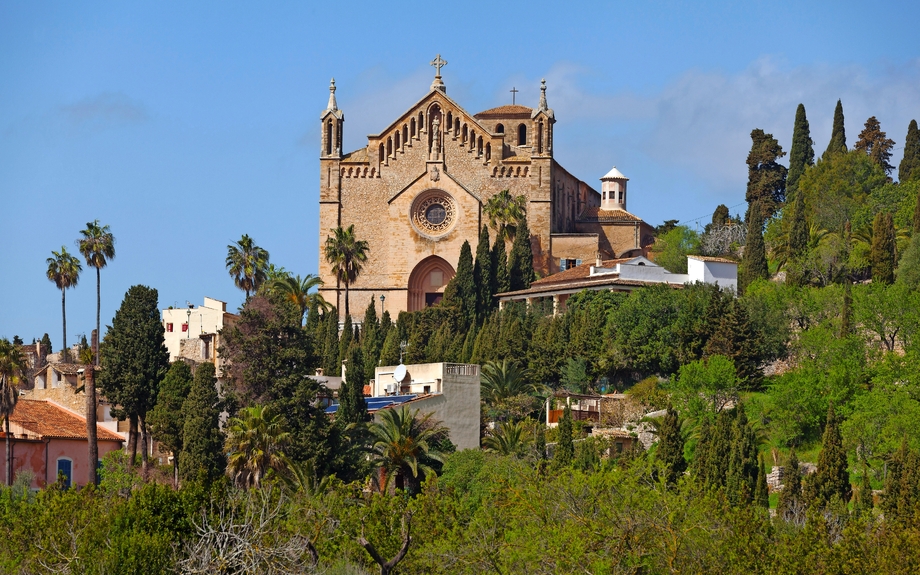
345	340
838	143
166	421
720	216
754	260
802	153
797	247
565	447
790	498
735	339
831	481
766	177
520	261
670	450
202	455
331	342
461	290
882	255
876	144
500	279
909	168
482	275
352	407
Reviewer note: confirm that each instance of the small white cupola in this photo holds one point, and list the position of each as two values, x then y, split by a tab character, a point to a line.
613	190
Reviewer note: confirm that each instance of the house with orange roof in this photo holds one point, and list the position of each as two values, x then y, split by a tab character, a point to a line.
48	439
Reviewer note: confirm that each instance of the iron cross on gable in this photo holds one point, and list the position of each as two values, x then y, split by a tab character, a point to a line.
438	63
514	92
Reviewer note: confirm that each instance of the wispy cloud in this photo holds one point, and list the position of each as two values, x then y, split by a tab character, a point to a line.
107	108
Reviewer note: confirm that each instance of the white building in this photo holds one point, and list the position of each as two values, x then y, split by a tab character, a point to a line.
193	332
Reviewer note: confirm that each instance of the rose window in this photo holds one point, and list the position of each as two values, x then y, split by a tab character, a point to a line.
434	213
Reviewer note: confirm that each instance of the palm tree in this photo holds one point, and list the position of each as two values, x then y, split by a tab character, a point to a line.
255	445
297	291
508	438
89	387
64	270
503	380
12	372
505	212
404	445
247	264
98	247
347	256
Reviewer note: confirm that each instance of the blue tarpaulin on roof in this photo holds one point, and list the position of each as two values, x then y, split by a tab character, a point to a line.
376	403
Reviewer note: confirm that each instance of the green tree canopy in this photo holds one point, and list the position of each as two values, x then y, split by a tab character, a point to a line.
766	177
802	154
836	187
166	421
876	144
64	270
838	142
202	456
754	261
520	260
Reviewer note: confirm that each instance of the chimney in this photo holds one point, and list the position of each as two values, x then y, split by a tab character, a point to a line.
597	260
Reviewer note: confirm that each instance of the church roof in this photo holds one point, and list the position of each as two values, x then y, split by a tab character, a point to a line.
595	214
614	173
359	156
577	273
508	111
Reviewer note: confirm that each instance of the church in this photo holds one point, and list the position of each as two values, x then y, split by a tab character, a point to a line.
417	191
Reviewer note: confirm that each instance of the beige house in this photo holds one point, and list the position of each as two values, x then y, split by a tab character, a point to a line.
417	190
193	333
62	384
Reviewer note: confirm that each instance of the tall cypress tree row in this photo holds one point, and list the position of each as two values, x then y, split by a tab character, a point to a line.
331	342
838	143
882	256
482	275
501	282
462	288
909	168
831	481
797	244
202	454
670	450
371	341
520	262
345	339
802	154
754	261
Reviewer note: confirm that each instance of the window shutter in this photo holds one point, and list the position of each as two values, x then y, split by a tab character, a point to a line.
562	262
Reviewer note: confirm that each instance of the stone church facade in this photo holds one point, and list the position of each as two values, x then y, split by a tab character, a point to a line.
417	191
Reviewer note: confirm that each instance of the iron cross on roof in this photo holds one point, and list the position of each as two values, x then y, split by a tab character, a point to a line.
514	92
438	63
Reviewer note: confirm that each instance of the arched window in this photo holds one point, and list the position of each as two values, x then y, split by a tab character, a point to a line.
488	152
397	140
421	120
456	126
450	121
381	153
405	138
412	128
500	129
522	135
389	146
479	146
540	139
463	132
328	138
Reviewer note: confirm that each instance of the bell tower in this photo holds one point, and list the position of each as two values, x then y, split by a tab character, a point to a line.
613	190
332	119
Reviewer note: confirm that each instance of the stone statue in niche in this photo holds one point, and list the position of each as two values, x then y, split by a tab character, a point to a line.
434	174
435	152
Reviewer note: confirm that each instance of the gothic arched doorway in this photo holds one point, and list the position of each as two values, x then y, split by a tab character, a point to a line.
427	282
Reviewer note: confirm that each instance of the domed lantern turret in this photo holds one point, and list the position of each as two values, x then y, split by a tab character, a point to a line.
613	190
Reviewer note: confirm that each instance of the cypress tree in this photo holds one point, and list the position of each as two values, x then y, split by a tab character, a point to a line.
389	354
670	450
901	501
734	338
345	340
352	407
720	216
331	342
385	324
862	504
46	344
742	477
754	261
202	454
520	262
876	144
761	492
461	290
501	281
797	243
565	447
831	481
802	154
838	143
469	341
882	255
166	419
713	451
370	339
909	168
790	497
766	177
482	275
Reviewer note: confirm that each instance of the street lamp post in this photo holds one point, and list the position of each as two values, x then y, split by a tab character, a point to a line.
188	322
382	298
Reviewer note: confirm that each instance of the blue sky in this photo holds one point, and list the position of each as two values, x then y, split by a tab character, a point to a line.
185	125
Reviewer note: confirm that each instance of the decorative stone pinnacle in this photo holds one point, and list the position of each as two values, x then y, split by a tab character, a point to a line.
332	103
437	84
542	105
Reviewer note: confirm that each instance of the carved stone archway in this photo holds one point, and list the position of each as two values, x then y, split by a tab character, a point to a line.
427	282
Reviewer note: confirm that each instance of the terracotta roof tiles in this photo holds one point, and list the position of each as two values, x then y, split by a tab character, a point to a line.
596	214
577	273
506	112
47	420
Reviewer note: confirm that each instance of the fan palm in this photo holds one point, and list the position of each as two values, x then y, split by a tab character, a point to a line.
347	255
12	372
505	212
508	438
503	380
64	270
255	445
247	264
98	247
297	291
404	445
